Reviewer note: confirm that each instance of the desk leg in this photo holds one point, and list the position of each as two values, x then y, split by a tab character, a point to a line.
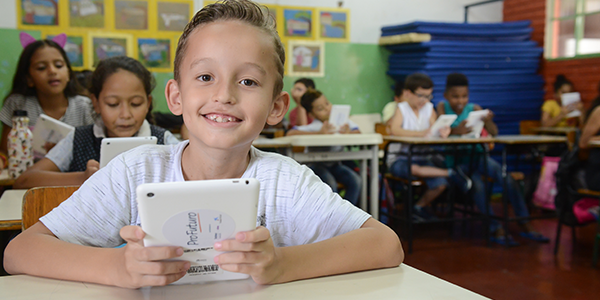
363	177
375	182
505	193
409	201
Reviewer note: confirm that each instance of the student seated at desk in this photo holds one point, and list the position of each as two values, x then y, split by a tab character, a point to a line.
414	116
299	116
390	108
120	89
553	113
228	83
317	105
457	96
590	133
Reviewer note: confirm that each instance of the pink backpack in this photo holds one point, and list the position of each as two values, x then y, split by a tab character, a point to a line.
546	188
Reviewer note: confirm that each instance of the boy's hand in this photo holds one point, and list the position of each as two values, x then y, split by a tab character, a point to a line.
345	129
91	167
253	253
461	128
146	266
445	132
488	117
327	128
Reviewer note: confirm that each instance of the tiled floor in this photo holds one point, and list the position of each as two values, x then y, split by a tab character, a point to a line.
528	271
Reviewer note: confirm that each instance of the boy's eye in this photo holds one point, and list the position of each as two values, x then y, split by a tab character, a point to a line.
205	77
248	82
112	104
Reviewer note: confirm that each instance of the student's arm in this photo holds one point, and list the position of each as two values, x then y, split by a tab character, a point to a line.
372	246
132	266
394	127
549	121
46	173
488	122
591	128
301	116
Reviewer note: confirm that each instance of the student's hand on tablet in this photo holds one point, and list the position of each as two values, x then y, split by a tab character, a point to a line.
252	253
146	266
327	128
345	129
91	167
489	116
445	131
461	128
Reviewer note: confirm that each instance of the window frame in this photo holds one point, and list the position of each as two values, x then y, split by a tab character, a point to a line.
579	18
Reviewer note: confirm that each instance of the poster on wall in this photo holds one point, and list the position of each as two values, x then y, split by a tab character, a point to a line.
74	49
131	15
306	58
155	53
38	12
108	45
173	16
298	22
86	13
334	25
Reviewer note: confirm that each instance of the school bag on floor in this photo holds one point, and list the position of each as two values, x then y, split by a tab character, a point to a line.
546	191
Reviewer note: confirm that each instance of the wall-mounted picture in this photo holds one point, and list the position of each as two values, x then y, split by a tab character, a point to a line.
173	16
154	53
106	46
39	12
131	15
298	22
74	49
306	58
86	13
334	25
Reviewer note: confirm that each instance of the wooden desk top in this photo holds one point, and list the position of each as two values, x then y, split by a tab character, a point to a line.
317	140
529	139
271	143
437	141
403	282
11	206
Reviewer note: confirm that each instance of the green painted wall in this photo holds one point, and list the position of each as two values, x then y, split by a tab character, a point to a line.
355	74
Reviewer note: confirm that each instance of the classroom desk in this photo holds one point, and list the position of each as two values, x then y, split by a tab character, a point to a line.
569	132
11	206
413	142
402	282
370	141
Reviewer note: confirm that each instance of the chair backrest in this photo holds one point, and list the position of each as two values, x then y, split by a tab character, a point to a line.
41	200
527	126
381	129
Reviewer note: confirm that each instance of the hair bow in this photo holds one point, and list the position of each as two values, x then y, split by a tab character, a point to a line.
27	39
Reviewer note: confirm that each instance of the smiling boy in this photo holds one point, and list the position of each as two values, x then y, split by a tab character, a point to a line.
228	84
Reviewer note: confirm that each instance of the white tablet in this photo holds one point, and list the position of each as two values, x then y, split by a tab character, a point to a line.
195	215
112	147
441	122
568	99
475	122
48	130
339	115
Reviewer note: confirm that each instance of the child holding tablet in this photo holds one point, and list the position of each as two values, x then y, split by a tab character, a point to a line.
228	84
457	96
120	89
319	108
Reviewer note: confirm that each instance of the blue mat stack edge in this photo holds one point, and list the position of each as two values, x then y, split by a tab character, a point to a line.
499	59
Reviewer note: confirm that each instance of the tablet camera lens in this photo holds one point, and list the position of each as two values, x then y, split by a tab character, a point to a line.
108	143
150	195
247	182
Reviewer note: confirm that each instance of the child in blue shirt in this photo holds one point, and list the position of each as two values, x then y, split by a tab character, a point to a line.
318	107
457	96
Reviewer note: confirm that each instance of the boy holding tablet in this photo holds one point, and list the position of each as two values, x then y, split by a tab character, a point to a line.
457	96
413	118
228	84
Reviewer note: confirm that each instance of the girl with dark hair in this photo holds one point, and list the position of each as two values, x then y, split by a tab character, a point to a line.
554	114
44	83
120	88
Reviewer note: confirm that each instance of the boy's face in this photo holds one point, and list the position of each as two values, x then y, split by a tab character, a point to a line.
297	91
458	97
321	109
225	92
419	98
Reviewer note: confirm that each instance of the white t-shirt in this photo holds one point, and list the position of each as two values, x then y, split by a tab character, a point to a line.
62	154
294	204
410	121
78	113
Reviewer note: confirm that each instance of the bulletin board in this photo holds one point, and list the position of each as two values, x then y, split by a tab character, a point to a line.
147	30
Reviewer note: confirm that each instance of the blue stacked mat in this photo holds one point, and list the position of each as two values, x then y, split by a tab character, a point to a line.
499	59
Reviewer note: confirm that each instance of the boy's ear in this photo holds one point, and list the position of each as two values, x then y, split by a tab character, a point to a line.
279	108
95	103
173	96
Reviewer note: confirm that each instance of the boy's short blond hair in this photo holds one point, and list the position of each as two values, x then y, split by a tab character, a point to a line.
240	10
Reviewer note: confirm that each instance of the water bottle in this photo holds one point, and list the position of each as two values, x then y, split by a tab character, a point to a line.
20	140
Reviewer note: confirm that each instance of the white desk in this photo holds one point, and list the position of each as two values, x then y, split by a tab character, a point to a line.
369	140
11	205
403	282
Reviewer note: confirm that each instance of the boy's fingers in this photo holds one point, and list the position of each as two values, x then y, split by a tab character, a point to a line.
163	267
132	234
160	280
238	268
260	234
238	258
159	253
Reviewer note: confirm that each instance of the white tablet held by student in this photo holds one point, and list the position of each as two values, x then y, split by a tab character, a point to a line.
568	99
48	130
196	214
441	122
112	147
475	122
339	115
